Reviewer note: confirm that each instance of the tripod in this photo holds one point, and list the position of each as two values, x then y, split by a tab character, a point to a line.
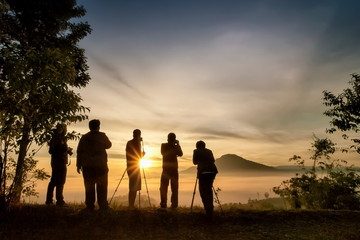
117	186
192	201
217	200
147	190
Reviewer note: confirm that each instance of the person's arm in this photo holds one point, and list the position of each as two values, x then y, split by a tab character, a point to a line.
213	162
79	153
212	157
162	149
195	158
179	150
127	150
107	143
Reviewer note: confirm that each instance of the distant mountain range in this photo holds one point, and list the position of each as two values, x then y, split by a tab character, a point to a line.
231	163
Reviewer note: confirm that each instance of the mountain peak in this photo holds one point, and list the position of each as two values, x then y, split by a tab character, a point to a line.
232	162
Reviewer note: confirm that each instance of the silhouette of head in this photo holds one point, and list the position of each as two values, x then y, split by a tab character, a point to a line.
200	144
171	137
61	128
137	134
94	125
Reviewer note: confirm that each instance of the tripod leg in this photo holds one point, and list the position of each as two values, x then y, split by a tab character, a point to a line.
192	201
139	199
117	186
147	190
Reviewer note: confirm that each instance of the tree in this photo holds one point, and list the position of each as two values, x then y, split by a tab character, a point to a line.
328	184
40	66
345	110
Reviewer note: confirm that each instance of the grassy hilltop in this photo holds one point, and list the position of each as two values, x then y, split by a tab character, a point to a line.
44	222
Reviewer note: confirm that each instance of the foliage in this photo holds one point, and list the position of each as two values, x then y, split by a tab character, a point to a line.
328	184
345	110
257	204
40	66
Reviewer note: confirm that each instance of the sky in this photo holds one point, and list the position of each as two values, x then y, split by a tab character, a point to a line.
246	77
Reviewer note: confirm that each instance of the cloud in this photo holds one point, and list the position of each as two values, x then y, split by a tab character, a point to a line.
250	71
209	133
114	73
109	77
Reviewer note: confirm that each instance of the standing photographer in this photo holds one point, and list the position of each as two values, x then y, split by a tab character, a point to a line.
170	151
59	151
134	153
206	172
92	161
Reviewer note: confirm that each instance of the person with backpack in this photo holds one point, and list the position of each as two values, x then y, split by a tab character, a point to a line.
206	172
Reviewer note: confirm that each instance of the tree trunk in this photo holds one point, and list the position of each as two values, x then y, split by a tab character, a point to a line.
20	166
2	191
3	176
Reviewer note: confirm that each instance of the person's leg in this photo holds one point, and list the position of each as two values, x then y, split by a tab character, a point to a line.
59	195
137	184
50	192
206	192
164	183
60	186
89	182
102	187
52	184
134	183
132	197
174	190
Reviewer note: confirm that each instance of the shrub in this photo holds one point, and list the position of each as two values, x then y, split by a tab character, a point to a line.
328	184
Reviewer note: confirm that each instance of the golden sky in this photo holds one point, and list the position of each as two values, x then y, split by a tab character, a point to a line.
246	77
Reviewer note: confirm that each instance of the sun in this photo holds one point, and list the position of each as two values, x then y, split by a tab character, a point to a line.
145	163
148	160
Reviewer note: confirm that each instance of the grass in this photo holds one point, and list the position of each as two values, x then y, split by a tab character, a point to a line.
51	222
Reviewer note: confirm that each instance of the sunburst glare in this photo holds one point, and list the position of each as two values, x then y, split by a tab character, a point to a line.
145	163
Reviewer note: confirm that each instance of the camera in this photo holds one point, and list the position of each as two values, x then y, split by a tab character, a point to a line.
70	151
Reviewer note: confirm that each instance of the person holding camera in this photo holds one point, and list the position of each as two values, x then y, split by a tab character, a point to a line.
170	151
59	151
206	172
134	153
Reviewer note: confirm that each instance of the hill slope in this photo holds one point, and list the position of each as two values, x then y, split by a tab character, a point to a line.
230	163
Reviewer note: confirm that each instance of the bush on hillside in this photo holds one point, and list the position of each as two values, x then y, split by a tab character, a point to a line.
328	184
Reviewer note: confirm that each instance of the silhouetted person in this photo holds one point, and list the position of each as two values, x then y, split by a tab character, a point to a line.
92	161
206	172
59	151
170	151
134	153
